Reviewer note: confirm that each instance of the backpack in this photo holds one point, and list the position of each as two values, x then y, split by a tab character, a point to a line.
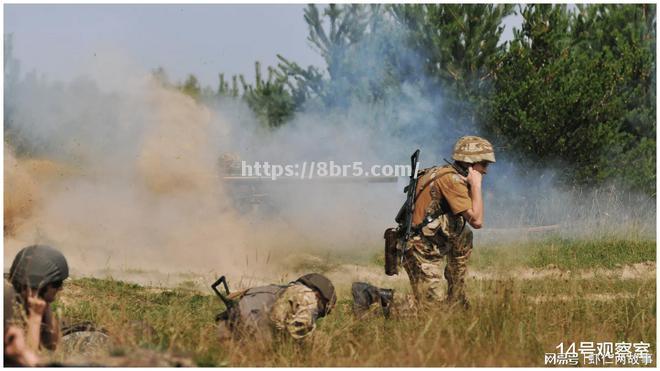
251	313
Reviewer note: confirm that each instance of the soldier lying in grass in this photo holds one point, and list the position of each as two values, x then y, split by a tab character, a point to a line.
291	309
36	274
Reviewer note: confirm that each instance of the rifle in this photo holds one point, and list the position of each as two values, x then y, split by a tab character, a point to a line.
229	303
404	220
410	189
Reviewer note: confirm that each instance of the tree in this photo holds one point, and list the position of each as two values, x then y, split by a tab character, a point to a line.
347	26
459	41
191	87
575	90
269	99
371	52
459	44
11	75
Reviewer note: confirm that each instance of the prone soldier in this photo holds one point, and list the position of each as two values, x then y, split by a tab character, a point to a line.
36	274
291	309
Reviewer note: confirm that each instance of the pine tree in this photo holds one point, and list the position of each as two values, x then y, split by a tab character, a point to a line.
191	87
575	90
459	44
269	99
347	26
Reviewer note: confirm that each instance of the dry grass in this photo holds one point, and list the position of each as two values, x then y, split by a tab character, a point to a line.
512	322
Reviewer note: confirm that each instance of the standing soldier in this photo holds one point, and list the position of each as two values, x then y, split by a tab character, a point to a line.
445	203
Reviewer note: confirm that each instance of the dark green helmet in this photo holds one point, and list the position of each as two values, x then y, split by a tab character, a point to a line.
323	285
37	266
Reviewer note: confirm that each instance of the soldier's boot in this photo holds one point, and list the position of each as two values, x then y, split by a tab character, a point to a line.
362	299
364	295
386	300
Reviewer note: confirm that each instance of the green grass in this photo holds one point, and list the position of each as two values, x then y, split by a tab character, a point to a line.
564	254
512	322
593	253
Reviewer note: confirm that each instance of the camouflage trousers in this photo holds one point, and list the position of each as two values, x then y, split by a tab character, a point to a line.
424	257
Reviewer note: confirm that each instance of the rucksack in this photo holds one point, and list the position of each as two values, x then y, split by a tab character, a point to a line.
250	314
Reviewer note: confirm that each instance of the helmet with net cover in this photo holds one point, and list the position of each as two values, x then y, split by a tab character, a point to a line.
37	266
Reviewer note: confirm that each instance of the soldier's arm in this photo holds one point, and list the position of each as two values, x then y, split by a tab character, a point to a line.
293	311
301	323
50	330
474	215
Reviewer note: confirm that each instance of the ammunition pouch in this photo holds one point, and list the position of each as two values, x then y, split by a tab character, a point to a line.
392	237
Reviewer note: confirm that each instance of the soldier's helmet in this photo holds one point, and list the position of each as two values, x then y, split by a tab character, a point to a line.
324	286
37	266
471	149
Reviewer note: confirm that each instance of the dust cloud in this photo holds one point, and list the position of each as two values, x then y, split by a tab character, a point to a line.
133	185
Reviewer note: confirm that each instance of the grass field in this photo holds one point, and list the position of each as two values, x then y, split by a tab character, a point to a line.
577	291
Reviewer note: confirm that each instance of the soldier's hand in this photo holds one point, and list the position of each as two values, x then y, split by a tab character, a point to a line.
36	305
474	177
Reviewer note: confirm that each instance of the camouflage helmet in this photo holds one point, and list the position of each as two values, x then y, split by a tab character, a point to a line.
471	149
323	285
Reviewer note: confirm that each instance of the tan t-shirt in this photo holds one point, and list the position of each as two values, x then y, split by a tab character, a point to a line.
452	188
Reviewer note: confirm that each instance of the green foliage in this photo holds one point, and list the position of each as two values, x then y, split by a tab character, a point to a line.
269	99
578	90
573	89
223	87
366	59
347	26
191	87
565	254
459	42
593	253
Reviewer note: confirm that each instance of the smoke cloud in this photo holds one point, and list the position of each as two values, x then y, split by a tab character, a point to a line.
120	172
